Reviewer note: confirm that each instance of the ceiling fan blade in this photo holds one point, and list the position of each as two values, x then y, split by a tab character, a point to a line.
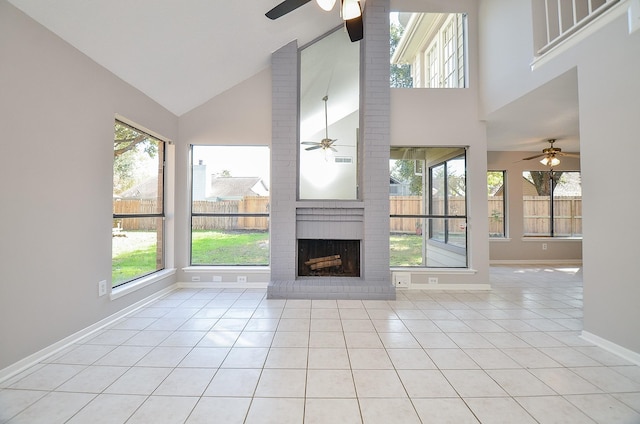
285	7
333	149
355	28
314	147
570	155
536	156
315	143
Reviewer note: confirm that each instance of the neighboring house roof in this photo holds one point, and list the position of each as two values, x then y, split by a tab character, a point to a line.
237	187
147	189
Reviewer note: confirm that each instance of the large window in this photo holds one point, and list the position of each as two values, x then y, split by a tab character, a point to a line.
496	191
428	50
428	207
138	204
552	203
230	205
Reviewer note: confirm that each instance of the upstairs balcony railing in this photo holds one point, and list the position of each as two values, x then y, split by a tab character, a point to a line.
557	20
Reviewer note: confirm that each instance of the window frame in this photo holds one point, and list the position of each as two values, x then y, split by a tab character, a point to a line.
504	205
552	207
446	206
428	214
193	214
160	216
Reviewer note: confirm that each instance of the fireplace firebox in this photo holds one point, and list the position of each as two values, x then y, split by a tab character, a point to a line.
326	258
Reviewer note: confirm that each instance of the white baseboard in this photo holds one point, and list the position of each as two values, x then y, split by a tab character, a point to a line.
453	287
41	355
575	262
616	349
217	285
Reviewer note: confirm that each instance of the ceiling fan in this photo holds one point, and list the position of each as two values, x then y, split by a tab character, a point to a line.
326	143
550	155
350	10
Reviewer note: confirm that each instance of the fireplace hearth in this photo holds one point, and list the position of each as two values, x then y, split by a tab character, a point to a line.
328	258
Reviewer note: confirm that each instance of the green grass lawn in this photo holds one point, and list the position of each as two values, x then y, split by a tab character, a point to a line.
230	248
130	265
405	250
239	248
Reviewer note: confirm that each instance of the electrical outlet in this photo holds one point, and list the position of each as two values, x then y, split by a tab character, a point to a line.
402	279
544	246
102	288
241	278
217	278
433	280
195	278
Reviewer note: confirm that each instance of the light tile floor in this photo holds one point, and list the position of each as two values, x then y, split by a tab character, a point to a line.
512	355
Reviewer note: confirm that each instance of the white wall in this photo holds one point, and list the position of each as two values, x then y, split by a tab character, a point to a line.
609	113
608	65
239	116
57	112
450	117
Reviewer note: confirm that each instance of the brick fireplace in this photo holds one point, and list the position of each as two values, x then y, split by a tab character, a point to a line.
331	226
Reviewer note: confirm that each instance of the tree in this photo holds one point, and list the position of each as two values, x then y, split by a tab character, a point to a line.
405	171
400	76
127	139
129	146
541	181
495	181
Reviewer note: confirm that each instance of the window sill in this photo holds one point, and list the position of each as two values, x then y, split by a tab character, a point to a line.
227	268
545	238
500	239
425	270
140	283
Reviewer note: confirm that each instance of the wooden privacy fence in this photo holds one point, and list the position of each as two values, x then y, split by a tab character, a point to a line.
249	205
567	214
412	205
134	206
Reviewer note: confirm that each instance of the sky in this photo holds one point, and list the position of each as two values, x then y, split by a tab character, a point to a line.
240	161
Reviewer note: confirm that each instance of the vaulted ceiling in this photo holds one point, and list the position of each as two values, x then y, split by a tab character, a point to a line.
179	53
183	53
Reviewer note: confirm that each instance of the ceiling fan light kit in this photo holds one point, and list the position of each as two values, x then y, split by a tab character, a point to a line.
550	160
326	5
550	155
350	9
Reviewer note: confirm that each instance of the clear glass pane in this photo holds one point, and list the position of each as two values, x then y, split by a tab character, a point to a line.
456	186
409	246
427	50
453	252
229	241
136	248
567	204
416	239
438	190
138	189
231	182
406	242
536	199
495	191
137	172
